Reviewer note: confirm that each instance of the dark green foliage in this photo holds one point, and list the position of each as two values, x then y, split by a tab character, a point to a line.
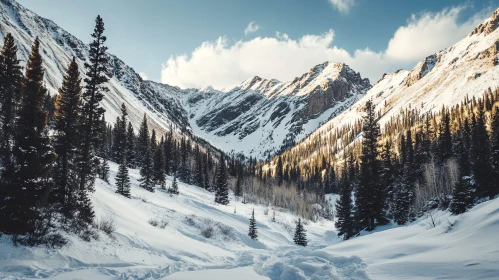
221	184
253	231
462	195
344	206
480	155
494	157
123	179
10	83
142	146
300	237
173	189
67	124
370	195
159	165
92	112
27	184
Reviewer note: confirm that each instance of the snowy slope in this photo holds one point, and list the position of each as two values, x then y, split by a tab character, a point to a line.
467	68
467	249
261	117
160	102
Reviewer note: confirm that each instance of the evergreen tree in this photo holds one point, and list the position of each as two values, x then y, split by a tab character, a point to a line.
27	183
142	142
238	190
253	231
159	165
344	207
221	185
68	117
494	158
147	172
130	146
10	83
300	237
184	172
479	155
278	171
123	179
104	170
92	112
444	142
462	196
370	195
174	187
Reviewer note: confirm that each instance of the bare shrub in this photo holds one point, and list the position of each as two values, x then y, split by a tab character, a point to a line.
207	232
108	225
163	224
190	220
153	222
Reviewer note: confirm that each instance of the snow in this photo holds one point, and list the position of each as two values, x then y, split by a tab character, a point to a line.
467	249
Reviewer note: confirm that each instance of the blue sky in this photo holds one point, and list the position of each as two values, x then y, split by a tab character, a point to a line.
159	37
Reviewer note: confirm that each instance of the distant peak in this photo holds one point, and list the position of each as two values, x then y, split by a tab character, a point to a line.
489	26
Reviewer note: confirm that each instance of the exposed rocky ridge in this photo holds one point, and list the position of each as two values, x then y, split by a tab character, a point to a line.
261	116
465	69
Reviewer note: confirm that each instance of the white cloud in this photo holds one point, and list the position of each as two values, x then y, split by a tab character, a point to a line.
343	6
143	76
429	32
223	64
251	28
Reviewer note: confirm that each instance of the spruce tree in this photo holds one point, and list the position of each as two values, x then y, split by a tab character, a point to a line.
104	170
26	181
159	165
92	112
253	231
221	184
238	190
370	196
10	83
480	155
300	237
444	141
462	196
173	189
123	179
494	157
120	145
147	172
68	117
344	206
278	171
142	142
130	146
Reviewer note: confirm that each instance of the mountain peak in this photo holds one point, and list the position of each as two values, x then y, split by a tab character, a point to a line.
488	26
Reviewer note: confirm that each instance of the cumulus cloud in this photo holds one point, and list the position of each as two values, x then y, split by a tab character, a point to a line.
224	64
251	28
143	76
343	6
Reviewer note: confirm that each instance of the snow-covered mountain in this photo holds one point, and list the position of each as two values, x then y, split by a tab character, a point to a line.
261	117
467	68
160	102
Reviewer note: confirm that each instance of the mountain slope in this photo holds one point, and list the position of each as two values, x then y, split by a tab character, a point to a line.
160	102
466	69
261	117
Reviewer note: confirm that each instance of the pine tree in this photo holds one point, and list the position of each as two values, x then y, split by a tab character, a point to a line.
198	172
174	187
159	165
123	179
344	208
462	196
300	237
68	117
370	194
130	146
104	170
253	231
10	83
278	171
120	144
444	140
184	172
142	142
494	157
147	172
238	190
92	112
221	185
479	155
26	181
